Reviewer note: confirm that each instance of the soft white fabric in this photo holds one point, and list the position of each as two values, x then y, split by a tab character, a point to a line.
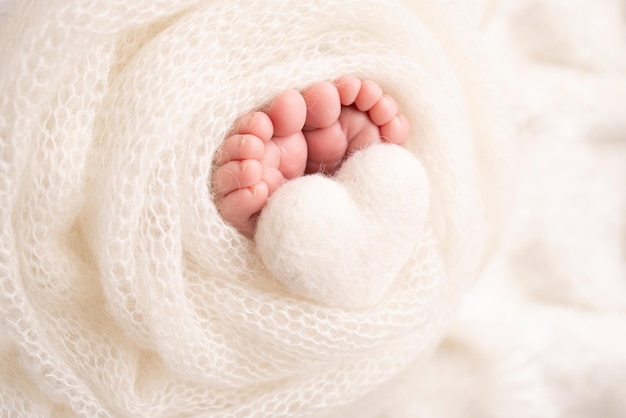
343	241
123	293
543	335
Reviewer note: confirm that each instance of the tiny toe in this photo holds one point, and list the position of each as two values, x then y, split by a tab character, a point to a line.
255	123
396	130
383	111
323	105
240	207
287	112
237	175
368	96
240	147
348	87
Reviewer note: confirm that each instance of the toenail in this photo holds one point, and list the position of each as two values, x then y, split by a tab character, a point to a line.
242	166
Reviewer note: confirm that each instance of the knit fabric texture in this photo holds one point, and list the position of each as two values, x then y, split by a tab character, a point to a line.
124	293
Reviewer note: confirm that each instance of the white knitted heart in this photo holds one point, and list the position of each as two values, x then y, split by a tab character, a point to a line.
343	240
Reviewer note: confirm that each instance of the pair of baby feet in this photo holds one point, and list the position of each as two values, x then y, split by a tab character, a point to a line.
296	134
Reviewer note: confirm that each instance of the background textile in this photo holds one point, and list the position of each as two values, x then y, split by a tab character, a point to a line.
122	290
123	294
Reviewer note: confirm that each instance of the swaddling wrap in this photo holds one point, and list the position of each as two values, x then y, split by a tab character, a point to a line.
124	293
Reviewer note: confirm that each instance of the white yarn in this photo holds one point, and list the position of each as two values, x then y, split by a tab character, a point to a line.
122	291
543	332
343	241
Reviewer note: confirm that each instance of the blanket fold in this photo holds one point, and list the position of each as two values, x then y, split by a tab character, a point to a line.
123	292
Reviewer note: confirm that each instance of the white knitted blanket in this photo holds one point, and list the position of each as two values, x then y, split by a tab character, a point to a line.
543	333
123	293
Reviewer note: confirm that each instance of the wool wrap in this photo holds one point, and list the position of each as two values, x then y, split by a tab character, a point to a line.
122	290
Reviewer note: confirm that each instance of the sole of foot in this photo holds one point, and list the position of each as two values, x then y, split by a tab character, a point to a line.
296	134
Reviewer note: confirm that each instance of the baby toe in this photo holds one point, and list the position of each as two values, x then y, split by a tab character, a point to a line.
323	105
396	130
287	112
240	147
255	123
241	207
348	88
237	175
383	111
368	96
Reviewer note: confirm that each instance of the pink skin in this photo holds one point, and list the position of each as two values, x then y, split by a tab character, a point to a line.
296	134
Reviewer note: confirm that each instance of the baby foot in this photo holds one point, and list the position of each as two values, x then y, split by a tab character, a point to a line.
265	149
313	132
346	117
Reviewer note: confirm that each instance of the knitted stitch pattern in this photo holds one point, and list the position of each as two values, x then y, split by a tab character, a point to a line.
123	292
